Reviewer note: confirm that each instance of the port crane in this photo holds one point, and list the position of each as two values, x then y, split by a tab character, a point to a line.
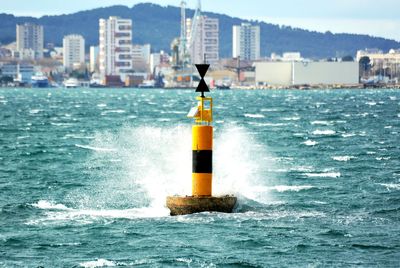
187	42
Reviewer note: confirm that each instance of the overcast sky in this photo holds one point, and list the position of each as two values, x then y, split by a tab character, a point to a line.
374	17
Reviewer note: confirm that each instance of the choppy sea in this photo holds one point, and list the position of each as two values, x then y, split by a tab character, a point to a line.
84	174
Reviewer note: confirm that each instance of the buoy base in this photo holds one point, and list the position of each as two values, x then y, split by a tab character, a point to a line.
180	205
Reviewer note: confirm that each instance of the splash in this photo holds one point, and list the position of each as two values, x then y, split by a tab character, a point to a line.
143	165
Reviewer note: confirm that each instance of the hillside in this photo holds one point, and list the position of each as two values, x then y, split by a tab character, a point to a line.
158	25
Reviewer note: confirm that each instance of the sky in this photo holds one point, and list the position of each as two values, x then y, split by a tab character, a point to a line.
377	18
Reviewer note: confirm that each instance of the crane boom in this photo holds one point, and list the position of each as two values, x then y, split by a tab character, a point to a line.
195	23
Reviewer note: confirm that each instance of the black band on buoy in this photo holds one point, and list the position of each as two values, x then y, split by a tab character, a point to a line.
202	161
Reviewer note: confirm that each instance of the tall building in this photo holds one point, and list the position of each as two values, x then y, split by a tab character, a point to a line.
94	59
206	40
115	46
30	37
73	51
246	41
141	57
155	60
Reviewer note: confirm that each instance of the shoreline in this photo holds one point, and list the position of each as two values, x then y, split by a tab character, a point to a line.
296	87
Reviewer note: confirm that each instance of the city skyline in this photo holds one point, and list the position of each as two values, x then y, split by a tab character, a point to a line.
354	16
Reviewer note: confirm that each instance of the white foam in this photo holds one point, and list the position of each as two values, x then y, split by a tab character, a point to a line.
344	158
74	136
44	204
97	149
292	188
391	185
113	112
61	213
269	110
254	115
294	118
324	132
347	135
101	105
371	103
267	124
323	175
61	124
35	111
320	122
303	168
310	143
98	263
383	158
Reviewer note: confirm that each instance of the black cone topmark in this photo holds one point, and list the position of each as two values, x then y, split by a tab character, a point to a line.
202	87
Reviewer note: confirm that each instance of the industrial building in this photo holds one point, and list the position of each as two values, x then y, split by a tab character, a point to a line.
115	46
73	51
306	73
246	41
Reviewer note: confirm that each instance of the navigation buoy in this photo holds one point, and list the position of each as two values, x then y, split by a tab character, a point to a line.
202	151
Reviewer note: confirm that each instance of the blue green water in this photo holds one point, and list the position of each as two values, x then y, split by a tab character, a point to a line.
84	175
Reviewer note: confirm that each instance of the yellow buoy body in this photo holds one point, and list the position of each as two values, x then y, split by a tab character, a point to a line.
202	146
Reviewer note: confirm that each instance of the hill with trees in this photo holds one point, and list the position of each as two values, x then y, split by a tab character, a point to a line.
158	26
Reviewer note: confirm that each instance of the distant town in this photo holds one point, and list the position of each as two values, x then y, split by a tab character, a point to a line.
118	62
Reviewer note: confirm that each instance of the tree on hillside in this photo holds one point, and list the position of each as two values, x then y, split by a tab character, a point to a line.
365	65
348	58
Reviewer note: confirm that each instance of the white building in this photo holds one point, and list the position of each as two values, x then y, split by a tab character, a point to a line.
94	58
246	42
24	54
155	60
115	46
378	55
141	56
73	51
287	56
206	40
310	73
19	72
292	56
30	36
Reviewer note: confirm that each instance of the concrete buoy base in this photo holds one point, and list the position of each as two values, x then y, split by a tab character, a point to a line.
180	205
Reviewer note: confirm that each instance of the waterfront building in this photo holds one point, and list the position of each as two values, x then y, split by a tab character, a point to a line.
206	40
115	47
24	54
378	56
94	59
291	56
73	51
141	57
381	64
246	41
30	37
9	70
19	72
155	60
306	73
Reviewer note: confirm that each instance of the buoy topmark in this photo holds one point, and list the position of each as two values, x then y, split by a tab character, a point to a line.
202	160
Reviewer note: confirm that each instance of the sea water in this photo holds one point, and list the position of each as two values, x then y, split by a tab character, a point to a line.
84	174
